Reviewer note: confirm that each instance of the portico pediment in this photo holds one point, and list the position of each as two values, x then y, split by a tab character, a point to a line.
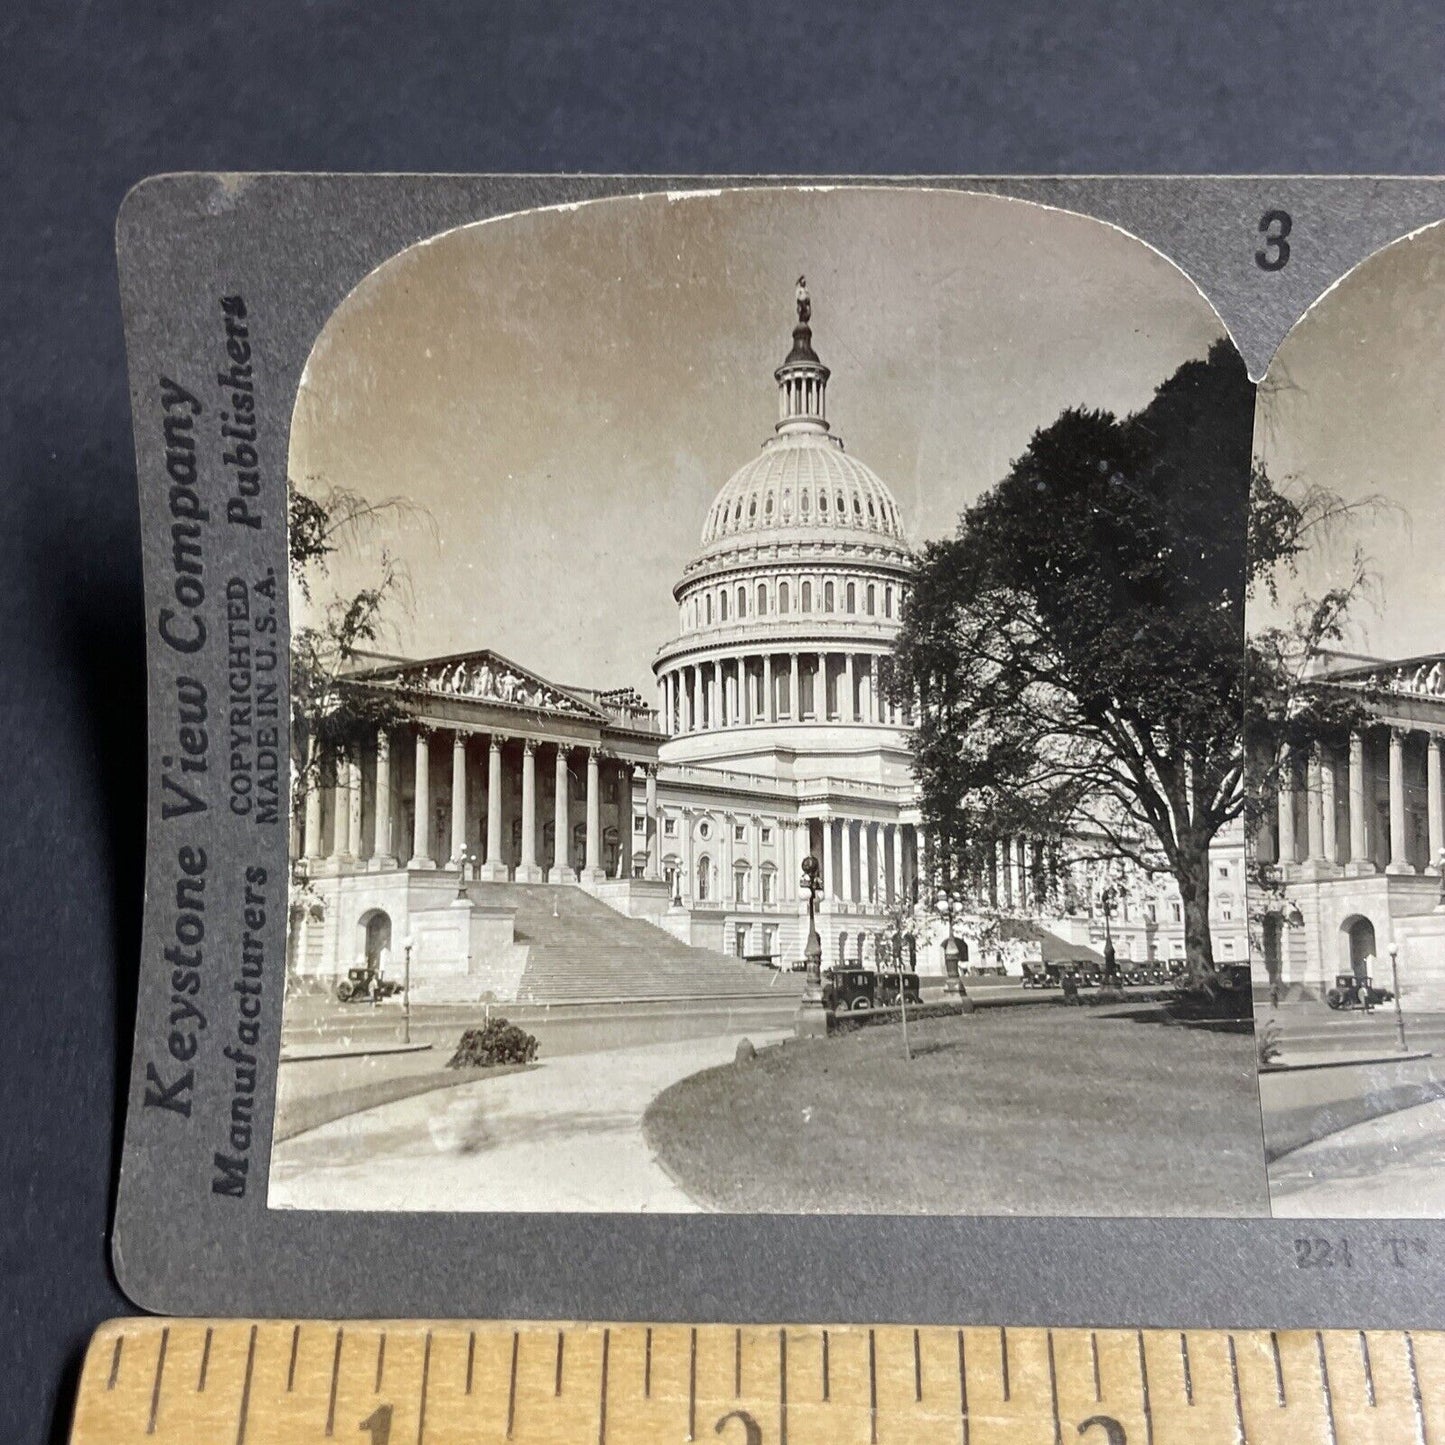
484	676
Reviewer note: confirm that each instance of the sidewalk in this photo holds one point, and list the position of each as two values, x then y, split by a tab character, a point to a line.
564	1136
1390	1167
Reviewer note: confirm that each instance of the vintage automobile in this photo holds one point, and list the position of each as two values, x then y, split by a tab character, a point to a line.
857	989
1351	991
1224	995
361	984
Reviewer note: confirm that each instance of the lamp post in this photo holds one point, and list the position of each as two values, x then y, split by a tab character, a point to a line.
406	945
812	1019
1395	984
467	859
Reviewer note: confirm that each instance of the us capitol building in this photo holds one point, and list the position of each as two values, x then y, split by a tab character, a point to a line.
774	738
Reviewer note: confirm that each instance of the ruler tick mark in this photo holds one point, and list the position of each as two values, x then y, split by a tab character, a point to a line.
602	1396
115	1363
156	1388
692	1385
291	1368
1278	1369
1003	1358
512	1388
1368	1368
1054	1393
1415	1389
335	1375
1238	1399
1144	1391
205	1361
647	1367
872	1389
471	1357
1188	1373
1325	1387
425	1381
737	1363
782	1387
380	1361
962	1389
917	1367
561	1344
1094	1354
245	1410
825	1364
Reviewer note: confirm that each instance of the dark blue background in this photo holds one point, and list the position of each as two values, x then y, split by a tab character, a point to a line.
94	96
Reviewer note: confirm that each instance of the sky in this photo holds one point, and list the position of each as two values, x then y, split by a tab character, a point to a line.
561	394
1354	401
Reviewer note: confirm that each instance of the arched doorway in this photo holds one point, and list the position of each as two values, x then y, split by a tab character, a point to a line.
704	875
375	929
1360	933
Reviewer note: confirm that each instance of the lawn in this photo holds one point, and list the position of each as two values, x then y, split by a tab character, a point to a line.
1022	1111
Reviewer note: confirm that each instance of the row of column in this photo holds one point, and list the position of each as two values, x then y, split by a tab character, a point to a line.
885	871
745	688
1322	840
347	829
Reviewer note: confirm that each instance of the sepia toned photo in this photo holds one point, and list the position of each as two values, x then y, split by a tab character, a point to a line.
768	725
1349	903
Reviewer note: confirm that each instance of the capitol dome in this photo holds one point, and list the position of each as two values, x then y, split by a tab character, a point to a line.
803	479
788	611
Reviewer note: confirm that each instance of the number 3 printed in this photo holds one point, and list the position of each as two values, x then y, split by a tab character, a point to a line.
1275	227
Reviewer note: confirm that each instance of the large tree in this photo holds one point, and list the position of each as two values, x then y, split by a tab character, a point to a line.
1076	653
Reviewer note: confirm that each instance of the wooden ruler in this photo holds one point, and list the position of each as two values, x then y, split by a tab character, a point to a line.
241	1382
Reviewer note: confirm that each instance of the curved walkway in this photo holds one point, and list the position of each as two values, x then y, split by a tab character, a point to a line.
1386	1168
566	1136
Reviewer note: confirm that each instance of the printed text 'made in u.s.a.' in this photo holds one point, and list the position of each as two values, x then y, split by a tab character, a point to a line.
253	700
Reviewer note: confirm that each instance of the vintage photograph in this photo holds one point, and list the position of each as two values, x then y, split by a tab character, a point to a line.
768	720
1348	901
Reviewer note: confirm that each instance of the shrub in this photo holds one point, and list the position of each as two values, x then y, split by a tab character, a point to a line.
1268	1044
499	1042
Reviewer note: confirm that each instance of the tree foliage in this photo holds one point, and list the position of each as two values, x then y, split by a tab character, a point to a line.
1076	651
329	717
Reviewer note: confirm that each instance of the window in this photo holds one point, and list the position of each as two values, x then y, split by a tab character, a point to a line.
669	827
704	873
722	606
888	602
807	596
740	833
639	824
1228	946
762	607
740	885
822	501
803	503
766	886
872	600
1226	908
1151	912
1178	912
704	830
782	596
827	597
707	602
1224	870
767	835
852	597
742	601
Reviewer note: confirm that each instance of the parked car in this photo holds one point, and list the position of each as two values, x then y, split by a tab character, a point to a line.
1351	992
365	983
857	989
